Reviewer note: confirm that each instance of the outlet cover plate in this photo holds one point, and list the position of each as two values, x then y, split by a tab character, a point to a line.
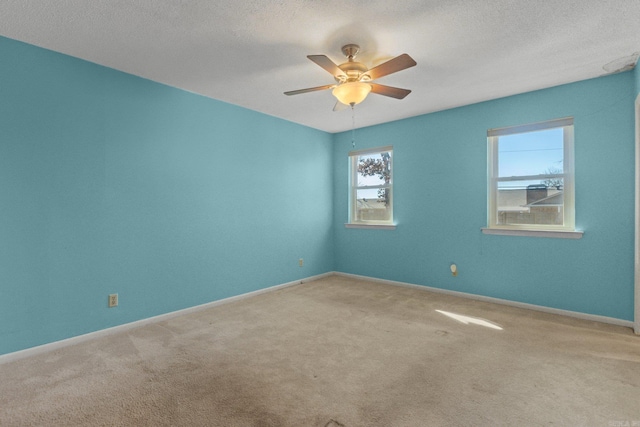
113	300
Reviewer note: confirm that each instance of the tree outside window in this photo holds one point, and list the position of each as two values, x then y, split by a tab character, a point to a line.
371	181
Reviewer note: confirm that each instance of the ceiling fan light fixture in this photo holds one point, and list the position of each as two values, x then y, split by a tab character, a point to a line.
353	77
351	93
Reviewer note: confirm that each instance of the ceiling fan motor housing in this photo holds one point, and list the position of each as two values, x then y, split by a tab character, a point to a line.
353	70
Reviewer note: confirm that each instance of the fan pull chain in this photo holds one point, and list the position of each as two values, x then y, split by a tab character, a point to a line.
353	126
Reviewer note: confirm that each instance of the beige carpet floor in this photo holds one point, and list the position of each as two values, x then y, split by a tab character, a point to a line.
337	352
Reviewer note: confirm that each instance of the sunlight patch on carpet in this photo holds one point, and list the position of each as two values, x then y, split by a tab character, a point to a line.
470	320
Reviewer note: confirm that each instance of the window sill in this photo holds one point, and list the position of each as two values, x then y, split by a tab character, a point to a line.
371	226
534	233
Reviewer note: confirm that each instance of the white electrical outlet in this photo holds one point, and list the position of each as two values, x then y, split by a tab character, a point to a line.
113	300
301	262
454	269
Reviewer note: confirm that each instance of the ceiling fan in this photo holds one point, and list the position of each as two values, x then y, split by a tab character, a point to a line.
354	78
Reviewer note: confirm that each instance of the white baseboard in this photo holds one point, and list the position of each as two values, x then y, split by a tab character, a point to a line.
575	314
10	357
21	354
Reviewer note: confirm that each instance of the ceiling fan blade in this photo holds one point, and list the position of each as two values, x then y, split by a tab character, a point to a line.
393	92
327	64
394	65
310	89
340	106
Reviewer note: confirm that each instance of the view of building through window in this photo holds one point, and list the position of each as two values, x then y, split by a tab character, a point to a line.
531	176
520	199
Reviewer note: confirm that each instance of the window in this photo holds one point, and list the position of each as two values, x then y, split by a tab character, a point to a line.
371	187
531	177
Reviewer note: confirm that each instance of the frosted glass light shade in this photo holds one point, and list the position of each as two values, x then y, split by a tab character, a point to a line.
352	92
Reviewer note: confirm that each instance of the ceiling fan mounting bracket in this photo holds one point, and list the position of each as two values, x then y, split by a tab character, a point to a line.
350	50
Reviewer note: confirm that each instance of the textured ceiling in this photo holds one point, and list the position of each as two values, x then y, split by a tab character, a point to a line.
249	52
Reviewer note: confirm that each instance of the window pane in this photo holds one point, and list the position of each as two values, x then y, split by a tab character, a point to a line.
374	169
525	202
371	205
371	186
531	153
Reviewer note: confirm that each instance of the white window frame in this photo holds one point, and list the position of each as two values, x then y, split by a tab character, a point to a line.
567	229
353	190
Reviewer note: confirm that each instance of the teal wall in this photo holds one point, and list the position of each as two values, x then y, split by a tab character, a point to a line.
110	183
440	203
